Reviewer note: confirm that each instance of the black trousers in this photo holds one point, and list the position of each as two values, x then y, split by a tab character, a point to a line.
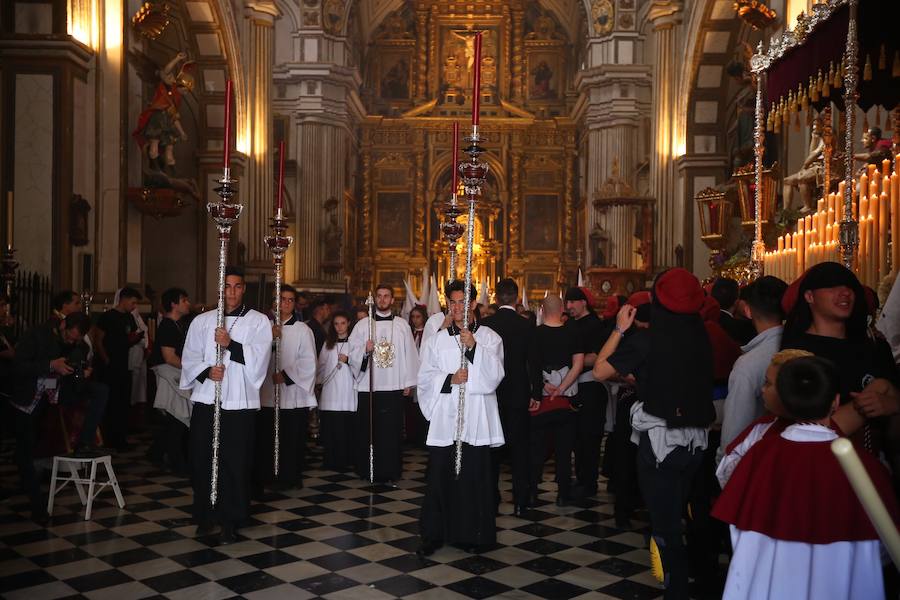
515	423
293	425
115	422
560	424
459	511
624	464
666	488
589	426
94	394
236	436
336	434
387	431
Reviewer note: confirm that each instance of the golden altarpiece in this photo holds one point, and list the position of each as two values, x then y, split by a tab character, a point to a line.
418	81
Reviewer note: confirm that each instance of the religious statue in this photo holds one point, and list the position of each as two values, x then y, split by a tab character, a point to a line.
810	173
600	246
395	83
333	16
876	149
542	77
488	71
332	238
159	127
451	71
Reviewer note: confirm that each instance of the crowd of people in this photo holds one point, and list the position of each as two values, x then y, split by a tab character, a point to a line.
712	407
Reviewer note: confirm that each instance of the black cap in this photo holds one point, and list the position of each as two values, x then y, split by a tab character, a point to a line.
573	294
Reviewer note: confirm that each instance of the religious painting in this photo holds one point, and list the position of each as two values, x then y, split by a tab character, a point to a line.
393	219
539	282
541	222
393	279
457	60
396	74
544	75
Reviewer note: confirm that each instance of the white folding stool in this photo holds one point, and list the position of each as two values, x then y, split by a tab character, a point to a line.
74	465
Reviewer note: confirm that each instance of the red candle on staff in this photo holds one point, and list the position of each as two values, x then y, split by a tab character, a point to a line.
227	143
279	204
476	85
455	158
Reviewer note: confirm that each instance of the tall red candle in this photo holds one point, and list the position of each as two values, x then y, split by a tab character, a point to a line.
227	142
279	204
455	157
476	84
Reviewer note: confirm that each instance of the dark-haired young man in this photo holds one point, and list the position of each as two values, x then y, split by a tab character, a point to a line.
513	393
460	510
173	403
64	304
246	340
743	405
319	313
727	293
115	334
51	367
394	361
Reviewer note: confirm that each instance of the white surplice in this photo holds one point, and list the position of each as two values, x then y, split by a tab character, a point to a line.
440	357
240	386
338	386
764	567
402	373
432	326
298	361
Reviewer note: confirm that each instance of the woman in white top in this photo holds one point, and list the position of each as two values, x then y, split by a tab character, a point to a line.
337	402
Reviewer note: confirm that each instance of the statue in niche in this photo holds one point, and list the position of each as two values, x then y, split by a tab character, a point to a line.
451	71
805	180
544	29
332	237
489	71
395	83
600	246
159	127
541	83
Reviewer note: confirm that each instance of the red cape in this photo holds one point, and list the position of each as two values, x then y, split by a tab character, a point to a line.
796	491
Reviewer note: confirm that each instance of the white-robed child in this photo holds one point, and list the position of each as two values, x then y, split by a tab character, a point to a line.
797	528
296	381
337	400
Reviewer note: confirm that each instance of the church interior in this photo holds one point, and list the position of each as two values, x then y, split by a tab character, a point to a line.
621	138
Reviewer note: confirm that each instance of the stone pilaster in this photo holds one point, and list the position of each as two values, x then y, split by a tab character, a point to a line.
258	188
665	15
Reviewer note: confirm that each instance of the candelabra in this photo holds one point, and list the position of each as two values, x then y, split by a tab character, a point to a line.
452	230
473	172
278	244
224	214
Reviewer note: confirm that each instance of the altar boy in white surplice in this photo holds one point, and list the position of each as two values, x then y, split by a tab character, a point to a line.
460	511
247	340
296	381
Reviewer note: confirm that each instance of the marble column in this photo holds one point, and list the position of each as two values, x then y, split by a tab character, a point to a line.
258	187
665	15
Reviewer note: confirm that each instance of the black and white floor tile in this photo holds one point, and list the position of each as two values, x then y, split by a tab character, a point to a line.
335	538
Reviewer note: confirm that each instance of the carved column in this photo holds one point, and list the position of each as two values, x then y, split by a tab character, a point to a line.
257	188
518	57
366	248
419	223
505	86
421	56
665	15
515	202
569	222
432	53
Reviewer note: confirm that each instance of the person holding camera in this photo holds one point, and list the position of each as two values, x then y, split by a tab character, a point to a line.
51	367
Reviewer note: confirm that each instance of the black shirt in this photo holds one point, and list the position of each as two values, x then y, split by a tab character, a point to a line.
740	330
858	361
591	330
169	334
632	358
555	346
116	327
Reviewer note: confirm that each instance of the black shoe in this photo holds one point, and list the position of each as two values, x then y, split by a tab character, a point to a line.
562	500
205	528
228	535
427	547
521	511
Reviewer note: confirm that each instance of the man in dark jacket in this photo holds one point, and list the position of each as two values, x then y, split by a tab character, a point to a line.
51	367
514	391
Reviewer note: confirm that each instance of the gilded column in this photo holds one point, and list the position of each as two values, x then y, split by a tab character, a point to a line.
432	53
506	84
257	188
518	56
569	233
419	224
422	55
514	203
366	248
665	15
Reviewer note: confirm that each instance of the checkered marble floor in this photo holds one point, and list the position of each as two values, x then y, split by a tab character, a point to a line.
337	537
